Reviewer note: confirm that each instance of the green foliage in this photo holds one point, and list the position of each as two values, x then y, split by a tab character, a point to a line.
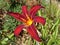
4	5
10	23
50	33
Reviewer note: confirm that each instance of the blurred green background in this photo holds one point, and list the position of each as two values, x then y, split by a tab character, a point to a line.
50	32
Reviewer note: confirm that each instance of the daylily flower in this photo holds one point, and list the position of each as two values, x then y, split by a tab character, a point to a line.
28	18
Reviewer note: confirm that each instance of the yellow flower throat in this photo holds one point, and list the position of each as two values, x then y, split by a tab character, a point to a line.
29	21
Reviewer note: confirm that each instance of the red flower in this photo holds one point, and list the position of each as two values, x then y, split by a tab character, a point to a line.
28	19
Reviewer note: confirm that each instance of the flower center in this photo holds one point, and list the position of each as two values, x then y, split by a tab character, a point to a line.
29	22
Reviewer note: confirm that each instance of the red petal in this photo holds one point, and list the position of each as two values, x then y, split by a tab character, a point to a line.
17	16
39	20
18	30
32	31
34	9
24	10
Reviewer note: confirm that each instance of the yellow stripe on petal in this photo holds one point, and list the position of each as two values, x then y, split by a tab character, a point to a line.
27	16
23	20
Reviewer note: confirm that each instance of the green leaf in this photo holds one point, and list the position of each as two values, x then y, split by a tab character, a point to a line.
11	35
4	41
39	13
55	24
29	41
50	41
41	43
53	37
55	33
44	33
